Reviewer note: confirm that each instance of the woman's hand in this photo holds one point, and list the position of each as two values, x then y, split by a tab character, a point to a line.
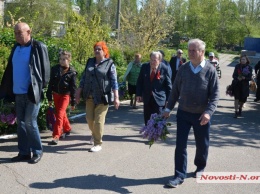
116	103
78	93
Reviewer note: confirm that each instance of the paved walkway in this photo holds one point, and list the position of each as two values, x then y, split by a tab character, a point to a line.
127	165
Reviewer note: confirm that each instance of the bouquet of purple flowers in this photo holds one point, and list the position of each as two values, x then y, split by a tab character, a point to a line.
157	128
246	71
7	117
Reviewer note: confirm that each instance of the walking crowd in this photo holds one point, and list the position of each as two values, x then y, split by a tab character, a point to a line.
192	84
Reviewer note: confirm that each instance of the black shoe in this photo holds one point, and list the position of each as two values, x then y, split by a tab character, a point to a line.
236	115
54	141
175	182
36	158
198	173
20	158
64	135
239	112
67	133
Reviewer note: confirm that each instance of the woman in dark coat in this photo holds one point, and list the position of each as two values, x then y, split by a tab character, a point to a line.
242	75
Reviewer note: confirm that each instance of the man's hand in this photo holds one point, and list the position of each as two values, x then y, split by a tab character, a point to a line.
204	119
166	115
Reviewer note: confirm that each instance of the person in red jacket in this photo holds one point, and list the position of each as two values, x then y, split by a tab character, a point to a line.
62	90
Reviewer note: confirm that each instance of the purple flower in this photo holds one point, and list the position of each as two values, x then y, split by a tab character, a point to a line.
10	119
156	129
3	118
246	71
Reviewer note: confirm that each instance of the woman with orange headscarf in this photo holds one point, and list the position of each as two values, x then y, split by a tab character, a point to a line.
98	85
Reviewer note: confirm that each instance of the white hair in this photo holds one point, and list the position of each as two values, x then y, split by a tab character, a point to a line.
201	44
156	53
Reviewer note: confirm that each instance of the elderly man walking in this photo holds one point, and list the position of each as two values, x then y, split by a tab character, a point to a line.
196	89
26	74
153	86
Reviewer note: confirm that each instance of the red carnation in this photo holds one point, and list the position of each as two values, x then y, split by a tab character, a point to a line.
158	75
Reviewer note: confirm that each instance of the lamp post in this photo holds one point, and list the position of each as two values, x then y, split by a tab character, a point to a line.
118	18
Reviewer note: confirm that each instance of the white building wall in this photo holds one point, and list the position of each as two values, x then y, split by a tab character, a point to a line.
2	3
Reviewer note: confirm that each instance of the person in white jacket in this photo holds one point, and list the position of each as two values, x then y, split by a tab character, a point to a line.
131	75
214	61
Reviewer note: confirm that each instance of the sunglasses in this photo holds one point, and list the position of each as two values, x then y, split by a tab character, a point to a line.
180	53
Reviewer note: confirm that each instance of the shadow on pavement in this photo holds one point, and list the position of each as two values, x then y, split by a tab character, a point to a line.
92	182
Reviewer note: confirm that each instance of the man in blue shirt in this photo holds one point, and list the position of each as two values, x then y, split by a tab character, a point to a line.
26	74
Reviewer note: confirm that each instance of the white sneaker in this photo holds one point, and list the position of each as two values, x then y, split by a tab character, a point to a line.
96	148
91	141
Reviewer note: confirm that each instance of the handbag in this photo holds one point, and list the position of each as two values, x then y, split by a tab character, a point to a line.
230	88
252	86
50	118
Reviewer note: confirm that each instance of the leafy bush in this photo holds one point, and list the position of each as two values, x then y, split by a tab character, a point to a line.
41	119
4	53
7	37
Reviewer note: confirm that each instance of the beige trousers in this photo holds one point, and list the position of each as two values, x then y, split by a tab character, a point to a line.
96	116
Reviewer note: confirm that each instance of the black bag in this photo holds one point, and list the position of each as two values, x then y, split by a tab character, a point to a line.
230	88
104	99
108	98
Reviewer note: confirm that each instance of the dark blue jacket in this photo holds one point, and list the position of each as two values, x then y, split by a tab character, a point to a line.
160	87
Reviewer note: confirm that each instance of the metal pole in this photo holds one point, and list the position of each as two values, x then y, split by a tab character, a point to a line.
118	18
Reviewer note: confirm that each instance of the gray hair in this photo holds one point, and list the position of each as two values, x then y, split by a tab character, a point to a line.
156	53
201	44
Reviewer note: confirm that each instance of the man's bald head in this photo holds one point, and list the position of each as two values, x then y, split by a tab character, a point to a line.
22	33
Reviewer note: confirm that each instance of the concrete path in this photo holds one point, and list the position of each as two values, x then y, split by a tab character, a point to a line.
127	165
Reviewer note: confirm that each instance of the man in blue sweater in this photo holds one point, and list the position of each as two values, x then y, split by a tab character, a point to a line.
26	74
196	88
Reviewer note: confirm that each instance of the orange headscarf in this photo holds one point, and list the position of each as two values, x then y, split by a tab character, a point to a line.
104	48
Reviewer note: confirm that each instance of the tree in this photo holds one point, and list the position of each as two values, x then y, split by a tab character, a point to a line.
82	34
39	14
144	30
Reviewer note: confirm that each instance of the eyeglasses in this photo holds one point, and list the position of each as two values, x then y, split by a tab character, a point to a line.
97	49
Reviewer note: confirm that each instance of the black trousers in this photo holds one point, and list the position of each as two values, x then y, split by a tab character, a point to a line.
150	108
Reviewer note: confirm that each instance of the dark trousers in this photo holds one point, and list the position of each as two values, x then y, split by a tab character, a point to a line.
150	108
185	121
